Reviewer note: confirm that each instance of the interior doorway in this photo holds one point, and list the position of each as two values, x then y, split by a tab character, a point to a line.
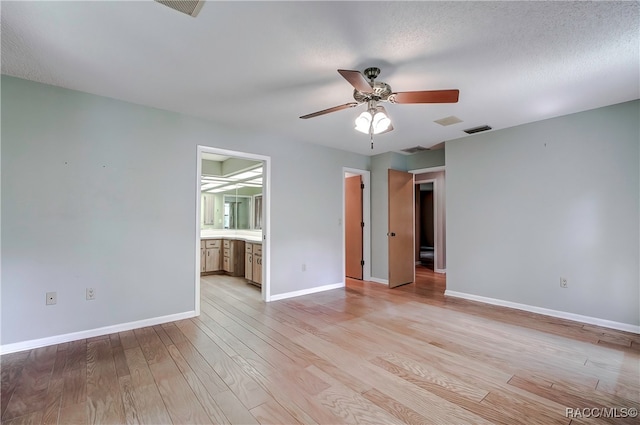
264	215
425	224
432	180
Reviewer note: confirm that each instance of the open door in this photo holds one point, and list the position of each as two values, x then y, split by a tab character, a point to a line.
401	227
353	226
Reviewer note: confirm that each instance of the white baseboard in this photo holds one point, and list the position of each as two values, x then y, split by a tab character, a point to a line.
74	336
442	271
548	312
377	280
306	291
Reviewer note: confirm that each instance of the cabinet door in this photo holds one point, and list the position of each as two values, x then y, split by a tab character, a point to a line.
227	256
213	260
238	257
217	259
248	266
227	266
203	260
257	268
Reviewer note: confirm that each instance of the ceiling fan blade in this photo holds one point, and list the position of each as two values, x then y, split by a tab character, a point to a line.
357	80
428	96
329	110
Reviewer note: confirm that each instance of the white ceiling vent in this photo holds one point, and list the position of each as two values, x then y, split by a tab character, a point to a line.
190	7
448	121
415	149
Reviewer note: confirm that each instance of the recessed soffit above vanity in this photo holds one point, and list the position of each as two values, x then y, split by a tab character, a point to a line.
221	174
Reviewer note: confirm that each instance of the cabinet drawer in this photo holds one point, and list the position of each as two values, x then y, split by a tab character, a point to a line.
248	248
226	252
227	243
257	249
212	243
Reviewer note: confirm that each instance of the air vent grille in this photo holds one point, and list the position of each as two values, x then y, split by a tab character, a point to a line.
415	149
477	129
189	7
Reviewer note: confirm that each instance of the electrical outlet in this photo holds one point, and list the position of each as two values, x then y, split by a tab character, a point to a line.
563	282
52	298
91	294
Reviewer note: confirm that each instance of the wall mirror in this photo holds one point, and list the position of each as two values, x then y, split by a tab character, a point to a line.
237	211
231	193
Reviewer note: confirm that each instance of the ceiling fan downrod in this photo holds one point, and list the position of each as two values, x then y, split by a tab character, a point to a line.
372	111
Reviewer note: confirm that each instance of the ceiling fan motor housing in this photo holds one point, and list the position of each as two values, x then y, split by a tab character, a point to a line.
381	91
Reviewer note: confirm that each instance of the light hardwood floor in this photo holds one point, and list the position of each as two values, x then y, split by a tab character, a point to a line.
360	355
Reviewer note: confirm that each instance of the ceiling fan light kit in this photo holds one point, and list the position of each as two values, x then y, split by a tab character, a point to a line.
380	122
375	119
363	122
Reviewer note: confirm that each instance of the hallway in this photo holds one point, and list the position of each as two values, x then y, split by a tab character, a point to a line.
428	283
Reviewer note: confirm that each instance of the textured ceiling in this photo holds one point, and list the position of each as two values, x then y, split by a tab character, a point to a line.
261	65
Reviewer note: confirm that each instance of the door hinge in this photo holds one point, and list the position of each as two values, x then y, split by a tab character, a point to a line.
362	262
361	185
362	224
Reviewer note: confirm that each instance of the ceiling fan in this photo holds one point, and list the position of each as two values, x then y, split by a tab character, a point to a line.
375	119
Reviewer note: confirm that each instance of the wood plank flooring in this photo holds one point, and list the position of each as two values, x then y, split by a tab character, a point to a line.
364	354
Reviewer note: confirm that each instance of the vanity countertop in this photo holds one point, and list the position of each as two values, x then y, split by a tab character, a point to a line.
253	237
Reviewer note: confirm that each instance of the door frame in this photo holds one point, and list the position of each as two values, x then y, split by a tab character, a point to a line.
266	223
438	220
366	217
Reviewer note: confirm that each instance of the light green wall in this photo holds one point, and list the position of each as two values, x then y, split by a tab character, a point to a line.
226	167
233	165
426	159
211	168
98	214
103	217
556	198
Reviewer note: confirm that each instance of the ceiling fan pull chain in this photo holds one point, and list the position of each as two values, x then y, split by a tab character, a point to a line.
371	134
